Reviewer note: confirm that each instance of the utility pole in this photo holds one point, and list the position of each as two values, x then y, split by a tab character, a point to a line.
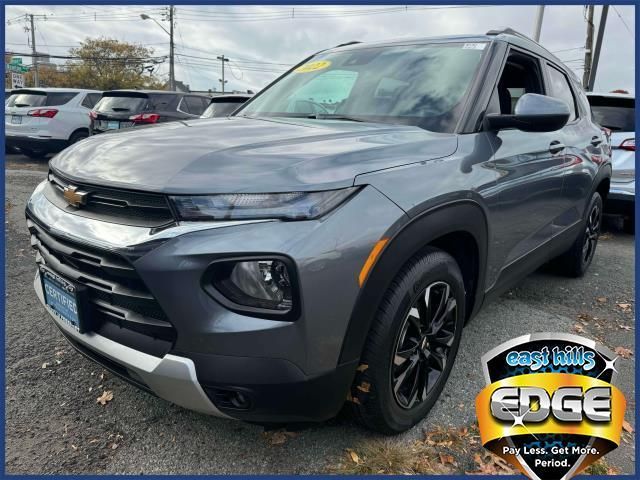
34	58
588	48
223	59
172	77
538	25
596	53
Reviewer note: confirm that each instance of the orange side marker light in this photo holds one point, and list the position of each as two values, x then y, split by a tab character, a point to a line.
371	260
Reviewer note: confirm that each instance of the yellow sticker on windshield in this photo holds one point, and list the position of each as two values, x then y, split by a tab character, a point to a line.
313	66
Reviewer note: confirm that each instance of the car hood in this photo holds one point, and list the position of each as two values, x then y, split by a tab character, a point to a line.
247	155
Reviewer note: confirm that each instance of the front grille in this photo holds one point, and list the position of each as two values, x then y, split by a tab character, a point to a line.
120	305
114	205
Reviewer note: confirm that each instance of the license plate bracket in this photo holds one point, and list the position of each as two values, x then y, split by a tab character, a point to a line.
113	125
16	119
68	300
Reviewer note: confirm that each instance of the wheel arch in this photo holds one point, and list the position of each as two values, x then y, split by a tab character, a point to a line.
78	130
459	228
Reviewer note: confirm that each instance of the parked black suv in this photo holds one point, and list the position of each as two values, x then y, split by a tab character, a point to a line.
224	105
330	239
119	109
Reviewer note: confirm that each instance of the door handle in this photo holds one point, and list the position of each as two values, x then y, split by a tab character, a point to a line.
556	147
596	140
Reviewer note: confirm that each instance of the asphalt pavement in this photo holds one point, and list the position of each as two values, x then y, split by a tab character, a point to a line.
55	425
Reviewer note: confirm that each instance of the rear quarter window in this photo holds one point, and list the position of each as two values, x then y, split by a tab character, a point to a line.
59	98
617	114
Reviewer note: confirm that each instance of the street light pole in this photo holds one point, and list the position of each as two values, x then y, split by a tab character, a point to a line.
144	16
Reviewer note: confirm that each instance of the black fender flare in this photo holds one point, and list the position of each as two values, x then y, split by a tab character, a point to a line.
406	241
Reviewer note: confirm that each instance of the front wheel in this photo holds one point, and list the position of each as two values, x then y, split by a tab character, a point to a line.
412	344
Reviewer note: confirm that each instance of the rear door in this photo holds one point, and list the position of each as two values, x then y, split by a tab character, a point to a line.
584	142
116	109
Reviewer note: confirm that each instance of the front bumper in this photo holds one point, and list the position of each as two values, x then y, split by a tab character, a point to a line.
35	142
289	371
171	377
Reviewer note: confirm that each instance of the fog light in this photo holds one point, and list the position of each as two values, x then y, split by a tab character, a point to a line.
261	284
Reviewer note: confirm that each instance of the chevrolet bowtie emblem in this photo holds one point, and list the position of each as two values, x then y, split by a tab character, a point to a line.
74	197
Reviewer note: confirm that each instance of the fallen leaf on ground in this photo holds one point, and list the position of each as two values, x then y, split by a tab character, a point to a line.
444	459
114	446
354	456
362	367
278	437
625	327
578	328
601	299
623	352
626	426
45	364
106	397
625	307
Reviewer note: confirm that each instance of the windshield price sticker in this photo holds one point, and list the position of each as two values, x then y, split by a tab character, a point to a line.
550	406
313	66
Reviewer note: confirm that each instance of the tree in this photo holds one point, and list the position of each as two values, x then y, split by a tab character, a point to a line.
48	77
109	64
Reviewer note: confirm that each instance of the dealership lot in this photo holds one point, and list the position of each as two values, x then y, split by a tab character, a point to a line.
55	425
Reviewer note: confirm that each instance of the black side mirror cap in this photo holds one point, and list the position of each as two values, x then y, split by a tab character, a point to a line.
533	113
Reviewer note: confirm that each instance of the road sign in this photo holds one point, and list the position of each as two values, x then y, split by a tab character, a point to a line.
17	80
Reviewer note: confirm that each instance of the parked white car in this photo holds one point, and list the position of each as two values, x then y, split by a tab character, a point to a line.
39	121
616	112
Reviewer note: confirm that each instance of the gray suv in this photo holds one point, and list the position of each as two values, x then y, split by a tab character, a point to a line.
328	242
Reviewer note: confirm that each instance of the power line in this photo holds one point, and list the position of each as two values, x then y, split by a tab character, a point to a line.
623	21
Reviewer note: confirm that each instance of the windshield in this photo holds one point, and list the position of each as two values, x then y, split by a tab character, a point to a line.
617	114
121	104
422	85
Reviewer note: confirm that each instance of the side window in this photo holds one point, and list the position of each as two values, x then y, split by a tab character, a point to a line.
559	88
196	105
90	100
183	106
521	74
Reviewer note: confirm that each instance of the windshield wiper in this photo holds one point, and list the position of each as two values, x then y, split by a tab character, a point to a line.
332	116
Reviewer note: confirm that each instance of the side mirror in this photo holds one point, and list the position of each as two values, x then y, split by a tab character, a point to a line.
533	113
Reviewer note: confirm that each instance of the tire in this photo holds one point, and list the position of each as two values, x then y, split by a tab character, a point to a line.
35	154
77	136
575	261
383	399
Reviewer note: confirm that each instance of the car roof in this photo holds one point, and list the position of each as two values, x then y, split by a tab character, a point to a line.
507	35
611	95
155	92
57	89
232	95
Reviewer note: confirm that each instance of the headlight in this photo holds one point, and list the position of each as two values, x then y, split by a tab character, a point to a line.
237	206
260	286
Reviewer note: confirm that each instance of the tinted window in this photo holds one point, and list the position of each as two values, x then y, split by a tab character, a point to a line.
91	99
617	114
222	109
422	85
27	100
193	105
559	88
121	104
160	101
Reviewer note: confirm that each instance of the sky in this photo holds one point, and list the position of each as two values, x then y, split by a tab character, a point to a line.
263	41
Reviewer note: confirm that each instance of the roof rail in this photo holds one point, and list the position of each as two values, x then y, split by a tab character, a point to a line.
348	43
509	31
